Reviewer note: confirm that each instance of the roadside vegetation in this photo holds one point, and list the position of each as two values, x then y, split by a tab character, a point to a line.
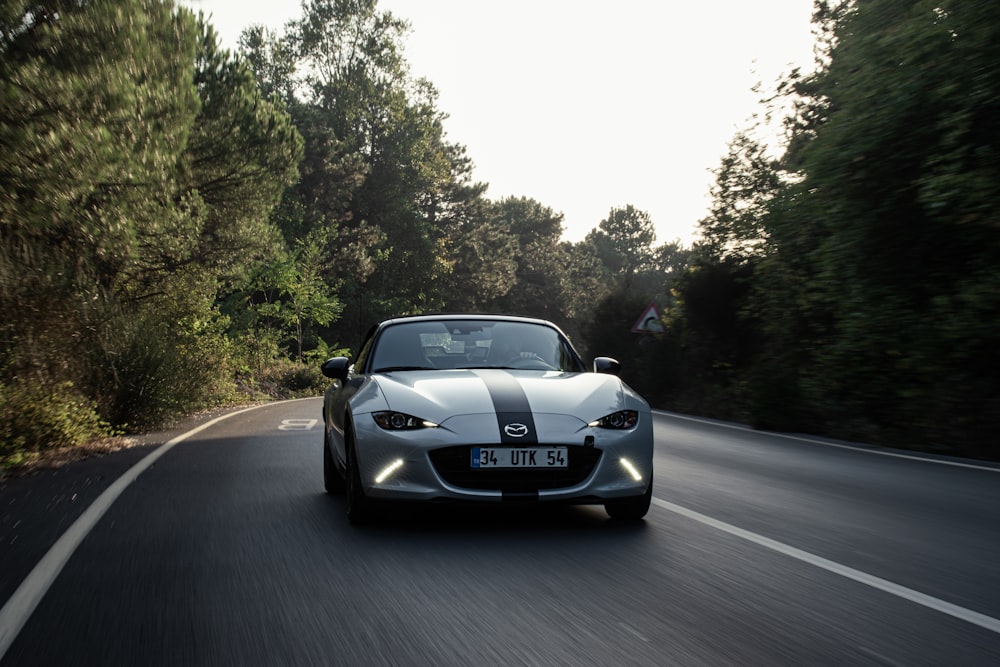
182	227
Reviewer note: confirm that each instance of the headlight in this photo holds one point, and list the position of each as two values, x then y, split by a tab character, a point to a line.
623	419
398	421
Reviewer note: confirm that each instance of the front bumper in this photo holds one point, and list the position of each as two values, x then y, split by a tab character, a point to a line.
433	464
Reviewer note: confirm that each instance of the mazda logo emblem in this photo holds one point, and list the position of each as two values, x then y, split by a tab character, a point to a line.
516	430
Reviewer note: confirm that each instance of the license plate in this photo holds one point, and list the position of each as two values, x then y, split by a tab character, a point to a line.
519	457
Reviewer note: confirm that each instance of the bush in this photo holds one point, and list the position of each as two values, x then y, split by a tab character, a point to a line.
35	416
284	379
150	369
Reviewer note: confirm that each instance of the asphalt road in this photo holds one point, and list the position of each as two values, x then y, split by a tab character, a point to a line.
758	550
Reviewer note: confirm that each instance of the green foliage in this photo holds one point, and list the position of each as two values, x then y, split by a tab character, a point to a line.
37	416
903	165
138	168
872	287
322	352
384	191
153	363
94	121
285	297
746	183
484	264
96	106
533	232
242	154
285	379
587	280
624	241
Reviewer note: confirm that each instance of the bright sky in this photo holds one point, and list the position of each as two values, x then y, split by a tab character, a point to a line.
586	106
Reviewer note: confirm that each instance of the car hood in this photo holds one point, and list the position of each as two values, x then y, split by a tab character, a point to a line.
443	394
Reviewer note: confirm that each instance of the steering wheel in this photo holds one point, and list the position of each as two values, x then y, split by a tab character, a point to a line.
530	362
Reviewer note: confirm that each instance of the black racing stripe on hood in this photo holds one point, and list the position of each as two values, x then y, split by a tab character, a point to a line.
512	408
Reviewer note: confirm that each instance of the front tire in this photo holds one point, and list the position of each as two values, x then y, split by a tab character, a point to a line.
360	508
630	509
333	481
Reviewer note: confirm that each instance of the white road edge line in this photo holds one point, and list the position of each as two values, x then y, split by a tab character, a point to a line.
736	427
29	594
961	613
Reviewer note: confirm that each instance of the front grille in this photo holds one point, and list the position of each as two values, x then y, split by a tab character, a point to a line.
454	464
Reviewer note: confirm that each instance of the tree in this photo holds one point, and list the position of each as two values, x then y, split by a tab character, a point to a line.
587	280
379	178
624	241
745	183
539	277
138	167
243	153
83	173
286	296
895	216
483	258
96	105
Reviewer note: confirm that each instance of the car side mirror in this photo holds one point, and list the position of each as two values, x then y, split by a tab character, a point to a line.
607	365
336	368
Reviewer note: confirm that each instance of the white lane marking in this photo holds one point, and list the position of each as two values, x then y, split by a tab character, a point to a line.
967	615
297	424
22	603
737	427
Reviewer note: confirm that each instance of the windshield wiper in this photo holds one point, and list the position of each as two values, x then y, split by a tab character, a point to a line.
391	369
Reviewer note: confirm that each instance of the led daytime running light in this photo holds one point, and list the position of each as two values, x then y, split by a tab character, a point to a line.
631	469
388	470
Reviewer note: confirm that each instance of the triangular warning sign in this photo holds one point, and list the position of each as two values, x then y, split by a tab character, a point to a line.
649	321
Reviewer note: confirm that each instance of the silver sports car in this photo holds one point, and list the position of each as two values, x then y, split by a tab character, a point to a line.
482	408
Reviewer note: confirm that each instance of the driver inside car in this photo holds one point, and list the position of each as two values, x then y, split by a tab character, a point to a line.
509	348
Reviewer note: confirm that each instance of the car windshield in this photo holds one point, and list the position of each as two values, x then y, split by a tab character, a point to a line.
452	344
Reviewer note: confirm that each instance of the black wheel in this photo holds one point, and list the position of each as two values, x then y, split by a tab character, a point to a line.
333	481
360	508
630	509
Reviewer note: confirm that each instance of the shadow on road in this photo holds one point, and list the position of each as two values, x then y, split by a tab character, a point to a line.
486	518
